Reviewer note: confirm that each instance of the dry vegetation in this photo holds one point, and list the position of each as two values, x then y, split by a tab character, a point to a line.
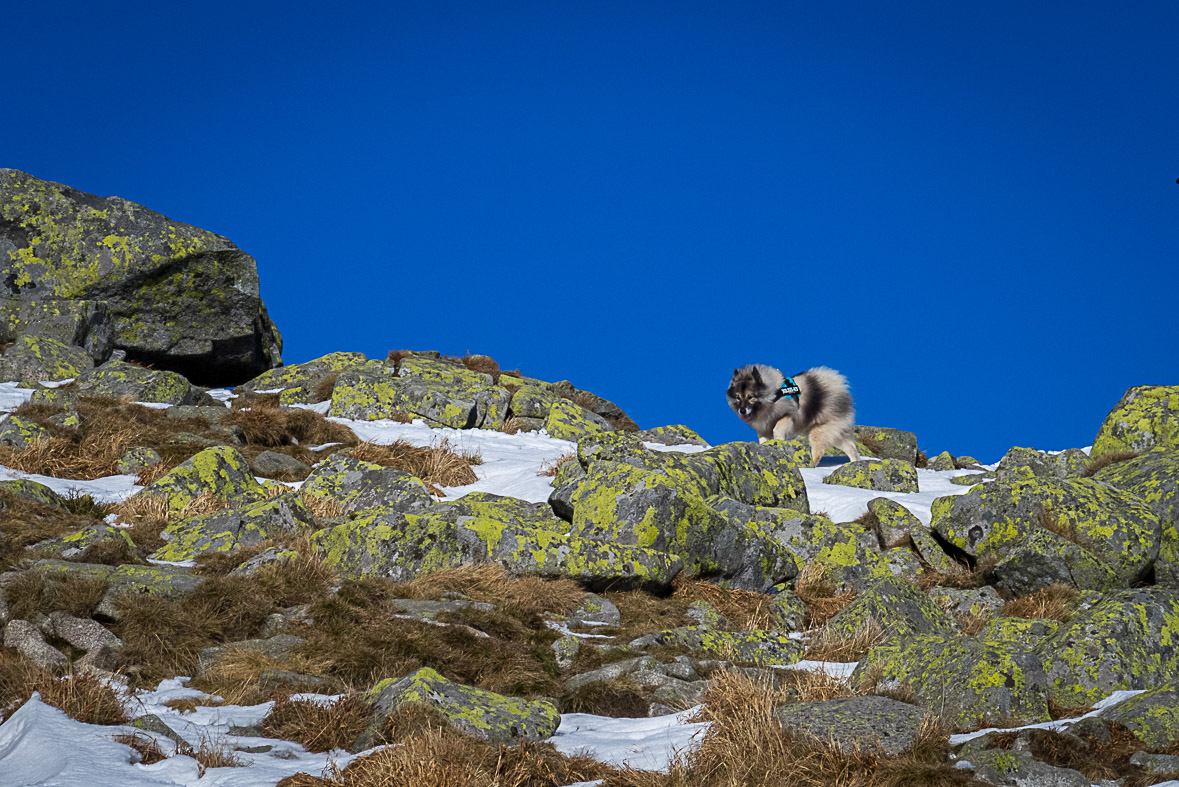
746	746
827	645
553	466
438	466
1055	601
1095	758
744	609
823	600
1105	460
317	726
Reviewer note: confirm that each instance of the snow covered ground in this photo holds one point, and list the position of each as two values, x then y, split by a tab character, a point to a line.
40	745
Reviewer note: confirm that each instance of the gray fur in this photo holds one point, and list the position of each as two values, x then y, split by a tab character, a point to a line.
824	410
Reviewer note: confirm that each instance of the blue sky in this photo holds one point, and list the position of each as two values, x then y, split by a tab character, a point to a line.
970	209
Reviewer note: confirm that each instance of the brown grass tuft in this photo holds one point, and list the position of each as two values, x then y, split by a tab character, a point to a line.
1064	528
619	698
83	697
318	727
964	578
972	623
745	609
325	387
1105	460
212	753
145	747
437	466
33	593
829	645
822	599
1055	602
553	466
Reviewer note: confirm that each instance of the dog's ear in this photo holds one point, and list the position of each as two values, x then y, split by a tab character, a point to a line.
756	376
735	373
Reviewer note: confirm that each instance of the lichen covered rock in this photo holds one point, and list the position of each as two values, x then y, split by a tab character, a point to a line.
476	712
1128	640
969	681
220	472
356	485
763	648
179	297
882	475
121	380
887	443
1146	417
39	358
897	607
1043	558
995	519
299	383
84	324
223	531
1152	716
389	544
464	401
568	421
856	723
19	432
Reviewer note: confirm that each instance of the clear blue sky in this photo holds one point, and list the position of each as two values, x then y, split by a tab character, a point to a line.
968	208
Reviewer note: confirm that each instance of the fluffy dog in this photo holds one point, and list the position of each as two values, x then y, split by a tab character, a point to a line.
816	402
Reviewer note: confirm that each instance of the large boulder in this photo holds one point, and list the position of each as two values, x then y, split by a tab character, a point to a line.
452	396
1153	716
1146	417
968	681
1129	640
356	485
1153	477
222	473
856	723
180	298
223	531
881	475
886	443
391	544
117	379
300	383
897	607
996	519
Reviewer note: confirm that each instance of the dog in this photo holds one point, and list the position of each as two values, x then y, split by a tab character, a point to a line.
816	402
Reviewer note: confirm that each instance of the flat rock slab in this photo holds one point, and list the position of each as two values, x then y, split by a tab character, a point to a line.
852	723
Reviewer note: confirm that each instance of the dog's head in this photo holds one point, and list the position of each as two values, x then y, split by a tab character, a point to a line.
748	393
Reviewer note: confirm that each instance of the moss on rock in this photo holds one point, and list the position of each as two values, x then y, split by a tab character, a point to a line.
897	607
882	475
1146	417
482	714
221	472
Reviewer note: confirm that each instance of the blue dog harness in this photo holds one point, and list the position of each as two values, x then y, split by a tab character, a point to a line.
789	388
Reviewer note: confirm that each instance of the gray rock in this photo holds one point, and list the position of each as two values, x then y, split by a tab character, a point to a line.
677	434
481	714
1011	768
787	611
278	646
706	615
179	297
272	464
119	380
943	461
882	475
968	601
152	723
100	645
595	610
897	607
1155	763
36	359
886	443
28	640
566	649
357	486
1153	717
611	671
138	459
763	648
856	723
20	433
78	323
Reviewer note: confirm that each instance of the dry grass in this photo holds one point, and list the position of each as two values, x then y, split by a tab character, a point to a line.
1055	602
325	387
24	522
212	753
437	466
553	466
827	645
823	601
745	609
145	747
33	593
1064	528
1093	757
620	698
811	686
746	746
162	637
1105	460
514	425
972	623
360	639
109	428
318	727
965	578
82	697
431	754
272	428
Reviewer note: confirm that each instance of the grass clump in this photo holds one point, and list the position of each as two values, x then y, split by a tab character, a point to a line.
438	466
744	609
617	698
828	645
1095	758
1056	601
745	745
33	593
822	599
318	727
1105	460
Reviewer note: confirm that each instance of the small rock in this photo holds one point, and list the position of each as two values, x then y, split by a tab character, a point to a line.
28	640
